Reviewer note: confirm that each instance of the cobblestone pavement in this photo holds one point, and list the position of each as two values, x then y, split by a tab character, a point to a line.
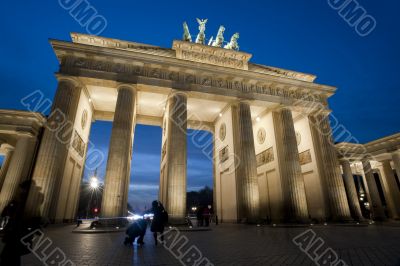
233	245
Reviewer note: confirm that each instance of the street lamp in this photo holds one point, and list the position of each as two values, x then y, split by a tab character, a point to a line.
94	182
94	186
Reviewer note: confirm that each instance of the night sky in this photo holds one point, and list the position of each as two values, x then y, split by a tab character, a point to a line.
307	36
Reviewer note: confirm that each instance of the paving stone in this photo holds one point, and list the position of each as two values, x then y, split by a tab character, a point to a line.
232	245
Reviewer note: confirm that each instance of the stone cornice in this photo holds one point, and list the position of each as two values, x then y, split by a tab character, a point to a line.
21	122
391	141
377	147
166	52
281	72
122	45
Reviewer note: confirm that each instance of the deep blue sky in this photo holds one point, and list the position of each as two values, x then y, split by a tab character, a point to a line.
306	36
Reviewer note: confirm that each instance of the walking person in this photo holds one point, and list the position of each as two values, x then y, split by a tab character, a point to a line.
160	219
206	216
199	216
17	227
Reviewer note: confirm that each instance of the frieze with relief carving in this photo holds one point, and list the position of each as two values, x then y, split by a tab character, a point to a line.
265	157
78	144
211	55
163	151
224	154
305	157
210	80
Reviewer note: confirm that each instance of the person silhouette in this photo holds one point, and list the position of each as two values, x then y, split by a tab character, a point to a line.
160	219
18	226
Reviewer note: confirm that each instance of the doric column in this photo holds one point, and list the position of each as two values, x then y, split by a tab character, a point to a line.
53	148
18	170
392	193
8	152
396	162
116	183
176	157
295	202
248	199
351	190
376	203
333	182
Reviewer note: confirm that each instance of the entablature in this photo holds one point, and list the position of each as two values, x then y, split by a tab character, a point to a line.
377	149
90	61
17	123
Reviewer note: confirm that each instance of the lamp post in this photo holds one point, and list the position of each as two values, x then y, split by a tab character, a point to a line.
94	185
194	209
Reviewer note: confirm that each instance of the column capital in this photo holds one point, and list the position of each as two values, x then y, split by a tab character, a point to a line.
26	134
240	101
344	160
74	80
385	160
282	107
6	147
178	92
127	85
394	151
321	112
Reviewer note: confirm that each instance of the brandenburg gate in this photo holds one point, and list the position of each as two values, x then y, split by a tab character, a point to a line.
272	150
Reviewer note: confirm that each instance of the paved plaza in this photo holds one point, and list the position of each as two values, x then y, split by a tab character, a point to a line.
233	245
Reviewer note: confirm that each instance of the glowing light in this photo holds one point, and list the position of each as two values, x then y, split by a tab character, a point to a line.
94	183
220	114
90	100
258	119
148	216
135	217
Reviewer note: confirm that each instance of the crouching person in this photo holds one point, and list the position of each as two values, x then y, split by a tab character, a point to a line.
136	230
